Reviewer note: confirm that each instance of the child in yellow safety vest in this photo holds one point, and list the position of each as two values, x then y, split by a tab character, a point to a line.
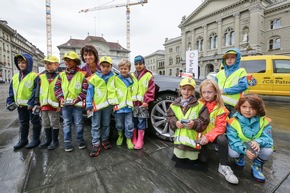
101	98
49	104
70	90
188	118
215	131
250	133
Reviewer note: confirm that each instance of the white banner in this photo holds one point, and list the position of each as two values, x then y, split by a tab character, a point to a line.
192	62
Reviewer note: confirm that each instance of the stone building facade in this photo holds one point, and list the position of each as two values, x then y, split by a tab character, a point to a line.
253	26
155	62
112	49
12	43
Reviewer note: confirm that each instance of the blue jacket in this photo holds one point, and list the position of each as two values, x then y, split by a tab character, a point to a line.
32	101
250	128
243	82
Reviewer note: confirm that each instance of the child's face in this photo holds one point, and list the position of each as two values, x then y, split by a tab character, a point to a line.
231	59
22	64
247	110
139	67
186	91
50	66
70	63
208	93
124	70
105	67
89	58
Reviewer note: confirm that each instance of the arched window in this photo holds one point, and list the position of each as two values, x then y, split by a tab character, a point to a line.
199	44
275	43
189	45
170	61
170	72
229	37
213	41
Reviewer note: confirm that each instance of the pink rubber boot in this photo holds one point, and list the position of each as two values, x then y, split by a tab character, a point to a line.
134	137
140	141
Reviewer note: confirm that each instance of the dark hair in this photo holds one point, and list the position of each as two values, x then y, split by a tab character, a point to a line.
90	49
255	101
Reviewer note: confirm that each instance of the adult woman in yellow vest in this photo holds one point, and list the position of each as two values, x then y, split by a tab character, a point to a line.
188	118
214	133
70	90
250	133
232	80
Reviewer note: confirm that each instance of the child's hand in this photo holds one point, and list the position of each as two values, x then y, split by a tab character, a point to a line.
190	124
251	155
30	107
255	146
203	140
58	109
76	101
179	125
61	102
144	105
89	111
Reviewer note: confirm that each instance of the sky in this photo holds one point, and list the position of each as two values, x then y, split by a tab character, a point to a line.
150	24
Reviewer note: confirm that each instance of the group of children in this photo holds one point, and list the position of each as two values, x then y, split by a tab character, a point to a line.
224	115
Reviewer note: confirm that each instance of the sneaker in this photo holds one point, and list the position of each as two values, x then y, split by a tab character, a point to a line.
229	175
95	150
68	147
82	145
240	161
106	144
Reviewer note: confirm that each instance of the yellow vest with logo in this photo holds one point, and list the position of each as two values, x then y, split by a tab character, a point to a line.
227	82
124	94
47	96
71	89
234	123
187	136
140	87
23	90
212	117
105	93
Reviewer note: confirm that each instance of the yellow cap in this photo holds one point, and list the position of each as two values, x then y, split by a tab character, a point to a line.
229	52
71	55
106	59
187	81
51	58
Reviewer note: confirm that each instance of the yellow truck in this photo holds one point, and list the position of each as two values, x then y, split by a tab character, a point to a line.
268	74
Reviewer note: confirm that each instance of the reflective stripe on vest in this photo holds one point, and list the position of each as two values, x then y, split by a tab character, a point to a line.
227	82
23	90
71	89
124	94
187	136
47	96
140	86
234	123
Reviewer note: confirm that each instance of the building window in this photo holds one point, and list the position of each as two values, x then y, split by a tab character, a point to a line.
229	37
170	61
177	48
170	72
199	44
274	24
170	50
177	59
189	45
213	41
275	43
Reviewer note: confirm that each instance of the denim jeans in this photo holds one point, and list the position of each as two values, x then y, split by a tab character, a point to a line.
125	121
140	123
70	114
103	117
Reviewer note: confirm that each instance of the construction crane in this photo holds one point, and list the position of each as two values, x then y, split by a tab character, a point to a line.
48	27
127	5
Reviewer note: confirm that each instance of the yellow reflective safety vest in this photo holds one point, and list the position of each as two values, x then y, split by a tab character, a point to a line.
212	118
140	87
124	94
23	90
105	93
71	89
234	123
47	96
227	82
187	136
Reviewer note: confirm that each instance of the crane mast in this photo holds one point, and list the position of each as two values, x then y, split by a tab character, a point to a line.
127	5
48	27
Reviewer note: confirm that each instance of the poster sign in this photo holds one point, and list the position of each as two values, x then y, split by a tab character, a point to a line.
192	62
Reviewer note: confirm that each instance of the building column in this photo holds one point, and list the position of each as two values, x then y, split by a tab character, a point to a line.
256	18
220	36
205	40
237	29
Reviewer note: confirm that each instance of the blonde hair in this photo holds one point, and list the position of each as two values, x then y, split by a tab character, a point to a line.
213	84
124	62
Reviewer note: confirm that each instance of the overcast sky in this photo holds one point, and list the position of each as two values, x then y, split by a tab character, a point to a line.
150	24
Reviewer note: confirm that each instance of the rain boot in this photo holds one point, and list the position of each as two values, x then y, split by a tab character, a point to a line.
48	133
23	138
35	138
130	145
140	141
120	138
134	137
54	143
240	161
257	170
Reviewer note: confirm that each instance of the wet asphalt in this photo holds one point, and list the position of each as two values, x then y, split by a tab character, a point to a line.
142	171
